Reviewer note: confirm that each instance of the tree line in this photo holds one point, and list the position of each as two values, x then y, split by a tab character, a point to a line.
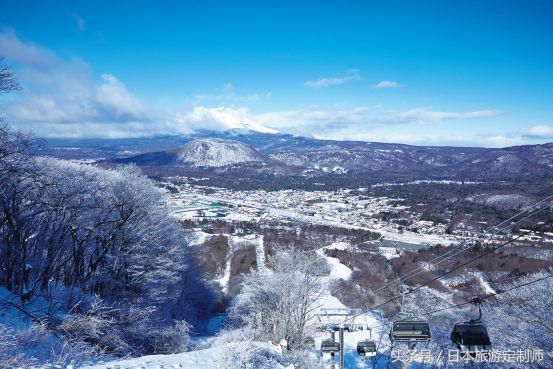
76	237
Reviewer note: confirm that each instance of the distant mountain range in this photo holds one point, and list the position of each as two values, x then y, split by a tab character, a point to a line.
286	152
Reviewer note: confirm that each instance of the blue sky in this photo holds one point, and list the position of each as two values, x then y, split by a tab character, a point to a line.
421	72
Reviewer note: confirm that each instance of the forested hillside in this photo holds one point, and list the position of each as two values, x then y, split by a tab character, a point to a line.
91	263
93	258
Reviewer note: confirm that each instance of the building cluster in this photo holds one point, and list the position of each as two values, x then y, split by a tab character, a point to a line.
344	208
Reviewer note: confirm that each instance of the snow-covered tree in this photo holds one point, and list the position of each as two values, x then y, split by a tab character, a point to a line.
277	304
90	231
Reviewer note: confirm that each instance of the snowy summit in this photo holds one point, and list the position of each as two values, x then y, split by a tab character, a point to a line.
215	152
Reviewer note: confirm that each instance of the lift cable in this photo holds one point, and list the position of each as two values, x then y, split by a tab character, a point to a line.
488	296
525	309
417	289
461	248
472	301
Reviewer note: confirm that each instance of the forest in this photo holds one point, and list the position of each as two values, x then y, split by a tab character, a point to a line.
93	259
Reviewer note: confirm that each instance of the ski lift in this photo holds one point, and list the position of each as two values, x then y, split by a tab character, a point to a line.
366	348
329	345
309	342
472	336
410	331
348	328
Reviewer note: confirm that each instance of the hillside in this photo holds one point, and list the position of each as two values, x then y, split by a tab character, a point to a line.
215	152
304	158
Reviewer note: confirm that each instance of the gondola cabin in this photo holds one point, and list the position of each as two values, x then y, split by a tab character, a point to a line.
329	345
309	342
366	348
410	331
471	338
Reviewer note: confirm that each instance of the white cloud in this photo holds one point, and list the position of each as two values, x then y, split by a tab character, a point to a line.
338	117
59	91
352	75
500	140
387	84
227	93
314	119
81	23
61	97
541	131
218	119
332	122
427	115
113	93
23	53
301	122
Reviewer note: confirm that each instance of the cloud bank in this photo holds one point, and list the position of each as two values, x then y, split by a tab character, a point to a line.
387	84
61	97
218	119
541	131
63	91
352	75
335	122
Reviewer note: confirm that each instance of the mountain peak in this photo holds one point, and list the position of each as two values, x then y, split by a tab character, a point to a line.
222	118
217	152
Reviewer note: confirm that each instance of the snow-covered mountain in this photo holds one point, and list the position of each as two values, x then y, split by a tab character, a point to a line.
216	152
285	153
223	119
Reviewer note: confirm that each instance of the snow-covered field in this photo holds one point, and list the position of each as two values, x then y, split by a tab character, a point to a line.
210	358
337	269
197	236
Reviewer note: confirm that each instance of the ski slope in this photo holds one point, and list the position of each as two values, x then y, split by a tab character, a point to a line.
217	357
329	303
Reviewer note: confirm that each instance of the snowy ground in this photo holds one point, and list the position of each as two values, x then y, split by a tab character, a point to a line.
260	255
235	242
225	278
337	269
210	358
207	359
197	236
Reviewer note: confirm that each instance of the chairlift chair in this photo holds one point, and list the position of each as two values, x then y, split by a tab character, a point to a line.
472	336
329	345
309	342
366	348
410	331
